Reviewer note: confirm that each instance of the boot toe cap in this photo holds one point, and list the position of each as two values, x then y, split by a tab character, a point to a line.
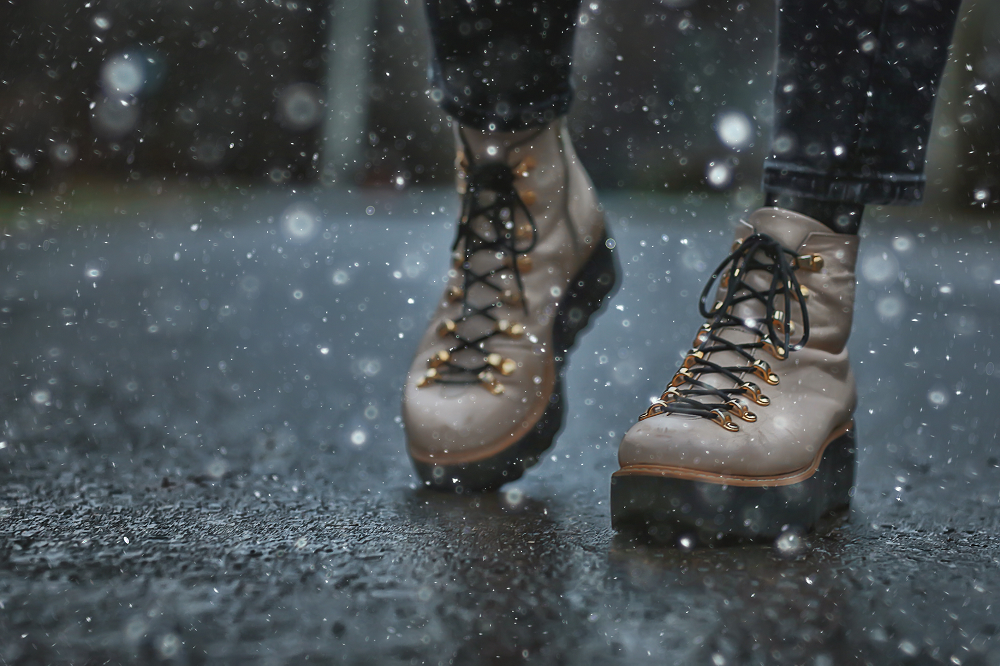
677	442
461	423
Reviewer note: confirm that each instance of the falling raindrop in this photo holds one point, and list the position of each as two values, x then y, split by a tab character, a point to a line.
734	129
300	222
24	162
889	308
938	397
880	267
299	106
902	243
719	175
101	22
63	154
790	543
122	75
113	118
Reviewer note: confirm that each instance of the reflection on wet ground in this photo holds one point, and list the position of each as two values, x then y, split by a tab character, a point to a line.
202	460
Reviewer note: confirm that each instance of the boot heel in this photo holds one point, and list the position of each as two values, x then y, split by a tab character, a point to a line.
596	282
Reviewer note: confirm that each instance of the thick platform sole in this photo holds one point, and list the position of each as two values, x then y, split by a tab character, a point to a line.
663	509
594	284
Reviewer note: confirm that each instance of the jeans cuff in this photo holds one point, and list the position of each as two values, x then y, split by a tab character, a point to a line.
876	189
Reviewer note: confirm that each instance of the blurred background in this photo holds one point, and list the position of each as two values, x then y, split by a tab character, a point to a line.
672	96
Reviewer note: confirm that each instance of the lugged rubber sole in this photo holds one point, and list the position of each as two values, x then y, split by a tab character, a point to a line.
663	508
593	284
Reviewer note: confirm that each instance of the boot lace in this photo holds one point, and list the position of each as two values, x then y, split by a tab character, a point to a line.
687	393
504	237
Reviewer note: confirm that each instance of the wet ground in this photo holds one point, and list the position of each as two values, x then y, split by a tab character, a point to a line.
202	460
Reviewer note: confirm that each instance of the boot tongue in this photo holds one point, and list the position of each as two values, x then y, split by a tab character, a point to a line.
788	228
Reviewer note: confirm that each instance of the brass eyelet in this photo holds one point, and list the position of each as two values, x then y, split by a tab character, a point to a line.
439	358
774	350
681	377
809	262
741	411
703	334
693	358
511	297
489	380
446	327
658	407
506	366
723	419
752	391
529	197
429	378
524	263
511	330
524	167
778	321
454	293
763	370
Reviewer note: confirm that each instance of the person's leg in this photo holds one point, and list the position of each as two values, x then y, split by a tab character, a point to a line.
854	100
754	433
502	66
531	261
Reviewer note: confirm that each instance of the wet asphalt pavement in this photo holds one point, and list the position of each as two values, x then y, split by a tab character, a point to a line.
202	459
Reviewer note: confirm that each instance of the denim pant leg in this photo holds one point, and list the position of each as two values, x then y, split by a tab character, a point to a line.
854	97
503	64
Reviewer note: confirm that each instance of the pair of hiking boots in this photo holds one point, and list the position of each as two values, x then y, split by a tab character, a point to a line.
751	435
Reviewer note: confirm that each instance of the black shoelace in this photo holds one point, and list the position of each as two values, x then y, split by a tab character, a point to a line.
687	393
505	238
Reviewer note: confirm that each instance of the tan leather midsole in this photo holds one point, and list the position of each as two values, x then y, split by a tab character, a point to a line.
736	480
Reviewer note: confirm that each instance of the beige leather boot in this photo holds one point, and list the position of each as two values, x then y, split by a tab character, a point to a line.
754	432
531	264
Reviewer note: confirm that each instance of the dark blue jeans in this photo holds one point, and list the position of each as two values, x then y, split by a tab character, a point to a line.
854	94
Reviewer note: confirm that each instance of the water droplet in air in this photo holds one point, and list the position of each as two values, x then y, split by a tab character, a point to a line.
790	543
719	175
902	243
122	75
734	129
358	437
63	154
937	397
24	162
300	222
300	106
